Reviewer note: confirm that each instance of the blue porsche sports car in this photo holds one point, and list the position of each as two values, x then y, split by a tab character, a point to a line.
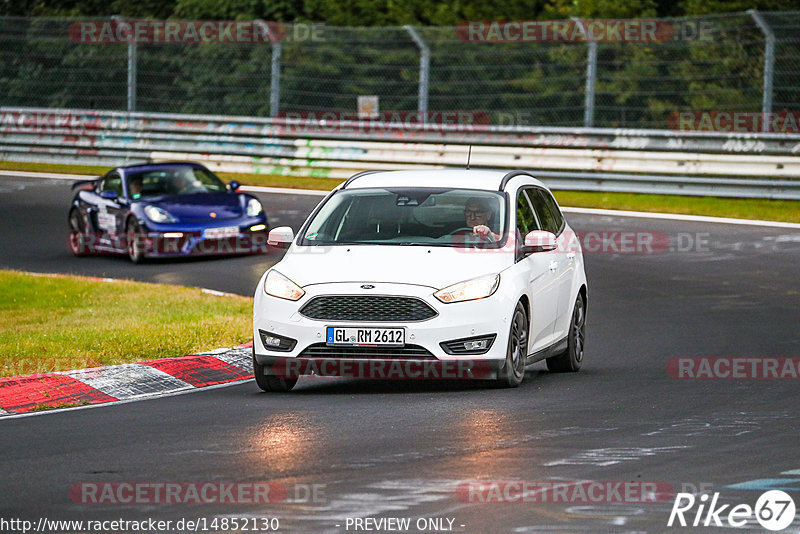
164	209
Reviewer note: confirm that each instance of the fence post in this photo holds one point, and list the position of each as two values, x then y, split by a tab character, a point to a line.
591	76
131	65
769	66
275	71
424	68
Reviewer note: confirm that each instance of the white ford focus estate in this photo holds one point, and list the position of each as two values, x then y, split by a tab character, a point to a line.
423	274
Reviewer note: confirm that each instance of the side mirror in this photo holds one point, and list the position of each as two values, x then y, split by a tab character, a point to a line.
280	237
539	241
234	185
109	195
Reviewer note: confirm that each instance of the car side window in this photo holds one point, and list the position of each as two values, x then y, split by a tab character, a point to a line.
547	210
526	218
111	182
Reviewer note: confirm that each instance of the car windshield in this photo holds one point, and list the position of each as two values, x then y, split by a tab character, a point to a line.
182	180
408	216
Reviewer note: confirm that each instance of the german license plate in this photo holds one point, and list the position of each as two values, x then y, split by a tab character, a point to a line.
221	233
369	337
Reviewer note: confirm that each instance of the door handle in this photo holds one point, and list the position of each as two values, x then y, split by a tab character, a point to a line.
571	256
553	266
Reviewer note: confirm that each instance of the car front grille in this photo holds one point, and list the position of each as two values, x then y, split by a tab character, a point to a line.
367	308
412	352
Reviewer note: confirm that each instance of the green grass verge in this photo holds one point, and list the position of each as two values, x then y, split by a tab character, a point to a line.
57	323
741	208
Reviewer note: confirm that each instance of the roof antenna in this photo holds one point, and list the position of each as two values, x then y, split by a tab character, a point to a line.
469	156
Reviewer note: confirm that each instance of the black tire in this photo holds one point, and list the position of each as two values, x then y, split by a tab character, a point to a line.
269	382
132	231
77	228
513	372
571	359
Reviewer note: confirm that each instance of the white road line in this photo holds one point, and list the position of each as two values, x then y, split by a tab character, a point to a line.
284	190
54	176
217	293
588	211
679	217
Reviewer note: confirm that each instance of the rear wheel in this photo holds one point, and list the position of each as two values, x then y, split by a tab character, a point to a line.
76	233
135	248
512	373
270	382
571	359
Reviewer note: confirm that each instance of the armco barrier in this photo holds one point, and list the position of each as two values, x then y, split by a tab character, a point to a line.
661	161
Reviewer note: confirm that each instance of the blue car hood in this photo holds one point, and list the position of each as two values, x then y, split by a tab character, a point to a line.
199	207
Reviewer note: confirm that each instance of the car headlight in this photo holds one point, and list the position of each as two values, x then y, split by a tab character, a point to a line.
474	289
253	207
279	286
158	215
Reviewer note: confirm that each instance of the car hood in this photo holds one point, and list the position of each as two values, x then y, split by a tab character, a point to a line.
199	207
435	267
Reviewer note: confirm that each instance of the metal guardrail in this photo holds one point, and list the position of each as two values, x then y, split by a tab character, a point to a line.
596	159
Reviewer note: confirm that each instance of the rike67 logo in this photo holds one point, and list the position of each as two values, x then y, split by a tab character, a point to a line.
774	510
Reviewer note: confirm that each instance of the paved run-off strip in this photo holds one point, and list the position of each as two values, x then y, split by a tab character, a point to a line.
125	382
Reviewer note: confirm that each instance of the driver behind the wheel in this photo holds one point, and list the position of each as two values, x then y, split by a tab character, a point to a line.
477	214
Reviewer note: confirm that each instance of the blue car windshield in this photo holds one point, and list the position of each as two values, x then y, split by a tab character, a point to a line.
183	180
409	216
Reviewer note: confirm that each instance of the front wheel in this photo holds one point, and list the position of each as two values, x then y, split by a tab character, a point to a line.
76	233
270	382
512	373
135	246
571	359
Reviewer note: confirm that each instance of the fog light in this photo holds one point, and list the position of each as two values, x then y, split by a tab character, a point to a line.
479	344
273	341
469	345
258	227
173	235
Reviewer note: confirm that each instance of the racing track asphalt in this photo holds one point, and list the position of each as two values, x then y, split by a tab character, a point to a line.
384	450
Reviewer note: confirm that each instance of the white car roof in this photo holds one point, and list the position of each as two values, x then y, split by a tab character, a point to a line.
455	178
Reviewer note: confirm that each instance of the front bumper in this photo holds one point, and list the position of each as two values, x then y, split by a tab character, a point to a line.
166	244
381	368
307	353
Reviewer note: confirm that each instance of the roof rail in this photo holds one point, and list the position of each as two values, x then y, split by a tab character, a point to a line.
357	175
511	175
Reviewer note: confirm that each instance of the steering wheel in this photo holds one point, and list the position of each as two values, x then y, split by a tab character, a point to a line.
467	231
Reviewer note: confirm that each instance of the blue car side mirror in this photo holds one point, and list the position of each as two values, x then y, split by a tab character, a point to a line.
234	185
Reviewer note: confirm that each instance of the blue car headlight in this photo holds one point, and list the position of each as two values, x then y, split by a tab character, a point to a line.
253	207
158	215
